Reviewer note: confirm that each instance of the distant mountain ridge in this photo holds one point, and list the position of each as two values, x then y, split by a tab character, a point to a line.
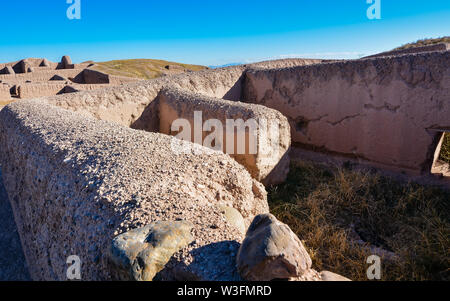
225	65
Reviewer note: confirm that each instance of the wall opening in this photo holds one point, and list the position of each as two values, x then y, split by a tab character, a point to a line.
13	91
441	162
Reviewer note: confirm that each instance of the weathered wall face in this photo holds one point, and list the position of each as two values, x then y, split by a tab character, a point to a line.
379	110
39	90
285	63
33	62
95	77
39	76
74	183
130	104
268	162
4	92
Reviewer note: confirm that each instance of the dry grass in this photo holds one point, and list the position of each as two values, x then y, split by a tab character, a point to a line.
330	208
445	149
140	68
425	42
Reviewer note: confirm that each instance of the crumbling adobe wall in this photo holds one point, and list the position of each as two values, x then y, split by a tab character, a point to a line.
428	48
33	78
268	162
285	63
74	183
380	110
95	77
7	70
39	75
127	103
5	92
30	90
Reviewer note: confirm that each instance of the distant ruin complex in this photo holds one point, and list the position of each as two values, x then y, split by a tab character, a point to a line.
92	173
32	78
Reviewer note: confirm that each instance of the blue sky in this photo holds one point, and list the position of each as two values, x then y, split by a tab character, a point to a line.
214	32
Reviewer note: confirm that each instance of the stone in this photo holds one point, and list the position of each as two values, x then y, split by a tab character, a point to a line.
329	276
309	275
271	251
233	217
141	253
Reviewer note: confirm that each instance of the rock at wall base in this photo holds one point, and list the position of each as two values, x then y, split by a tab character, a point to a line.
329	276
271	251
233	217
141	253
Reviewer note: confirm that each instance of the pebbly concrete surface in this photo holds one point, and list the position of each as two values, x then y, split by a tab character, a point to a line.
76	182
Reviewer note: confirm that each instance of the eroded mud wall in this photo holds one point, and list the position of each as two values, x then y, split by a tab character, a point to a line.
381	110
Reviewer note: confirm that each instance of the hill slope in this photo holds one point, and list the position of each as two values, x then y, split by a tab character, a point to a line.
424	42
144	68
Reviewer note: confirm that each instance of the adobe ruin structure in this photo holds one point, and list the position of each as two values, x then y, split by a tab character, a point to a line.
82	168
32	78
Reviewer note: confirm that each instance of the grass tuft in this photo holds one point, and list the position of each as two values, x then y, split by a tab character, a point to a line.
445	149
344	216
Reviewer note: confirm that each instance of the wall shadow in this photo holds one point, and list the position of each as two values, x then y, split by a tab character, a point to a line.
13	266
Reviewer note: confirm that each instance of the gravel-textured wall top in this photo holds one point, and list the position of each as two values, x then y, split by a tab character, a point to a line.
75	183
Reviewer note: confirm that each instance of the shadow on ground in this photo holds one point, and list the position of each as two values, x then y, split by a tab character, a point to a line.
12	261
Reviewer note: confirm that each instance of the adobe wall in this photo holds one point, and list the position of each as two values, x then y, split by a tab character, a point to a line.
34	62
285	63
428	48
75	183
30	90
39	76
130	103
378	110
4	92
268	162
95	77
